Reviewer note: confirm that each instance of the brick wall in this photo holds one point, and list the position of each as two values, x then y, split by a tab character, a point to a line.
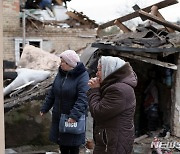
61	39
11	14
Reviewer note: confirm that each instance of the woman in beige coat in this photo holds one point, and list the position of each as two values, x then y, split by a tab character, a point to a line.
112	105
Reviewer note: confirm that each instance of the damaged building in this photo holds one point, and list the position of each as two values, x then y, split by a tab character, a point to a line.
53	30
152	50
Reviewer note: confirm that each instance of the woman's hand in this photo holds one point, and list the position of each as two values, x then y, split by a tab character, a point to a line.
41	113
70	120
94	83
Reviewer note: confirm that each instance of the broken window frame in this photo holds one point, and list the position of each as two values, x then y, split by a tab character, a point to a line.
18	48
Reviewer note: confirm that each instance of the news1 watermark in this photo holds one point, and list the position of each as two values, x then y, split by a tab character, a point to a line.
165	145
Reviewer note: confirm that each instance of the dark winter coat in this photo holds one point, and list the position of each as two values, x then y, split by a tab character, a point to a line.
112	107
68	96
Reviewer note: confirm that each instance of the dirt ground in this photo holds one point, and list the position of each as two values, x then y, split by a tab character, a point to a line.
143	145
49	149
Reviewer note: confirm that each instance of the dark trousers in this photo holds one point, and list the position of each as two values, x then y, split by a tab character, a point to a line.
69	149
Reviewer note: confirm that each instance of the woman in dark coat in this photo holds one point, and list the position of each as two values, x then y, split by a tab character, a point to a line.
112	105
67	96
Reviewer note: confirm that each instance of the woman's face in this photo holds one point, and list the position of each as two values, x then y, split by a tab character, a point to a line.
99	72
64	66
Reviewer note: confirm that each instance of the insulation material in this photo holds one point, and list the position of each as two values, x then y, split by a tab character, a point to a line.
43	15
26	77
60	13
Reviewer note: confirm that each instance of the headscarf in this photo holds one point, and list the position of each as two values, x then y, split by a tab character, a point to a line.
110	64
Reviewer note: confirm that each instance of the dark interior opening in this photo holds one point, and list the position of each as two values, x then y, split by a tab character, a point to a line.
154	96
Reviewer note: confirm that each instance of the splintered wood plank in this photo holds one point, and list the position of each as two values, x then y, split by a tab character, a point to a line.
81	18
135	14
74	16
159	20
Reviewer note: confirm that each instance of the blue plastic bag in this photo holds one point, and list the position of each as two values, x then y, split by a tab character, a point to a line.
73	128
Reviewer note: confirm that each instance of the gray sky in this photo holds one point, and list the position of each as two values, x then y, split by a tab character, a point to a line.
103	10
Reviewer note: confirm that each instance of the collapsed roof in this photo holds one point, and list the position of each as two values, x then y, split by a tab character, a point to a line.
53	12
149	43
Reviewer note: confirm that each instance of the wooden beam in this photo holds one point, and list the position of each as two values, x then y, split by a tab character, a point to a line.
24	28
135	14
33	16
74	16
148	55
122	26
81	18
159	20
60	2
99	31
155	12
2	132
33	23
149	60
